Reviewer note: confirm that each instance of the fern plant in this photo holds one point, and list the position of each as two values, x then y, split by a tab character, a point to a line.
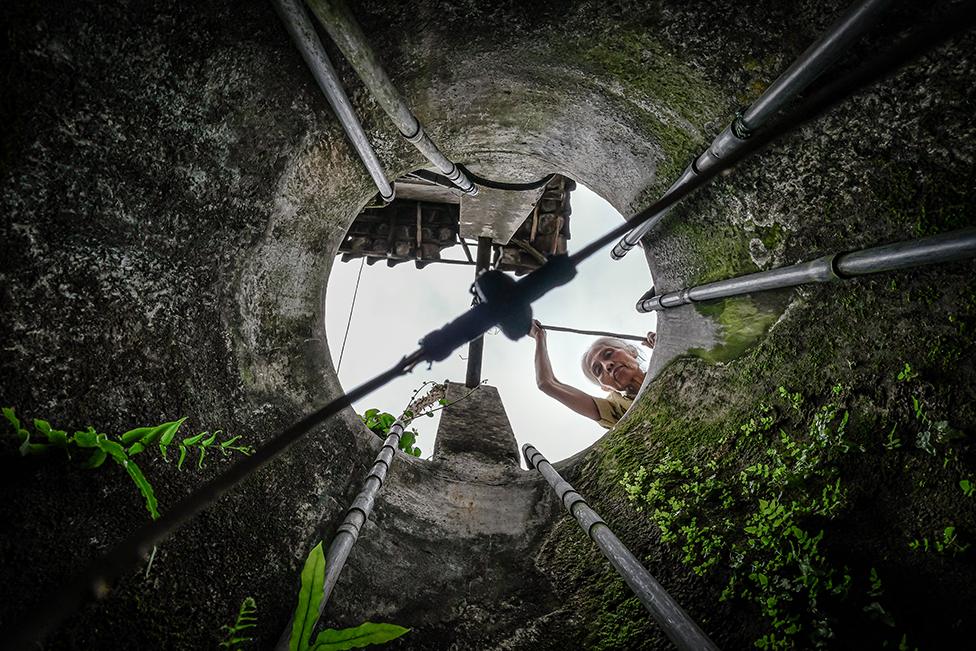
307	615
99	447
238	634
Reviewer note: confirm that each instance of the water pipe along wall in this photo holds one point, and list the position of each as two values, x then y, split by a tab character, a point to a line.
174	188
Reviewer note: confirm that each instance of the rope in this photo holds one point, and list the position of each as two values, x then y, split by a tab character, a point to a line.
352	307
94	581
501	185
442	180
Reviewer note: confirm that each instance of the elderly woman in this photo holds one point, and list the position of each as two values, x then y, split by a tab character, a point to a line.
612	363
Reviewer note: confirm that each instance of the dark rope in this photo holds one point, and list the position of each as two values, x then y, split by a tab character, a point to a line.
501	185
439	344
440	179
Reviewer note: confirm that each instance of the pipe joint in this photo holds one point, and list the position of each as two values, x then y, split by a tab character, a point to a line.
379	471
739	127
828	270
417	135
363	504
649	302
387	452
529	452
587	517
620	249
571	498
349	528
454	175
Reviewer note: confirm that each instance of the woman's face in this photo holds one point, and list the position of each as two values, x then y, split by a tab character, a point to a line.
615	368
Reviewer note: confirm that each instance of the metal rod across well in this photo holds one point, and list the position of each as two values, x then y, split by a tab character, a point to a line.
598	333
807	67
339	21
302	32
946	247
675	622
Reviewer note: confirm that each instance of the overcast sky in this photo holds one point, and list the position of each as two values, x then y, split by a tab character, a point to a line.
397	306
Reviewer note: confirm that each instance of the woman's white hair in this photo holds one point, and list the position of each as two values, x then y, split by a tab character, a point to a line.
610	342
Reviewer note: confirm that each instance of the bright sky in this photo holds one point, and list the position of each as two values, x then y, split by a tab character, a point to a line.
397	306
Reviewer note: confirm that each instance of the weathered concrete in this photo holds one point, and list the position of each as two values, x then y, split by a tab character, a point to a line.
475	429
450	550
173	190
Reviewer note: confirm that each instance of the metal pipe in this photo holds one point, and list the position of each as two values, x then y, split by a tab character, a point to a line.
339	21
947	247
303	34
476	347
825	51
677	625
356	516
807	67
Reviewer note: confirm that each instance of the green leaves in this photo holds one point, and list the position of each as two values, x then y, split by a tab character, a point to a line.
355	638
947	543
204	441
55	437
759	513
380	423
246	618
907	374
144	486
967	487
309	598
142	437
407	440
307	614
104	448
129	444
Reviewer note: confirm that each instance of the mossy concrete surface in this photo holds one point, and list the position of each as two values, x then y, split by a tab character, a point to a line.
173	191
894	163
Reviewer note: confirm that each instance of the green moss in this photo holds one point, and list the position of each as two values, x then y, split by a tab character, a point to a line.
742	322
694	412
719	251
771	236
759	74
247	375
647	72
938	205
621	622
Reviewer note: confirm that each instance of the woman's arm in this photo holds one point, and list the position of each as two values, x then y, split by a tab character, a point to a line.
579	401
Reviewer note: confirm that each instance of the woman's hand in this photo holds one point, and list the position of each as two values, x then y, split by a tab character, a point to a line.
537	333
650	340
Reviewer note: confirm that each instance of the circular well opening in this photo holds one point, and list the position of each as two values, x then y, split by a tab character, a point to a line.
396	305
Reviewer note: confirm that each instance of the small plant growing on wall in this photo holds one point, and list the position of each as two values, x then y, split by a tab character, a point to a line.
239	633
307	616
380	422
96	447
